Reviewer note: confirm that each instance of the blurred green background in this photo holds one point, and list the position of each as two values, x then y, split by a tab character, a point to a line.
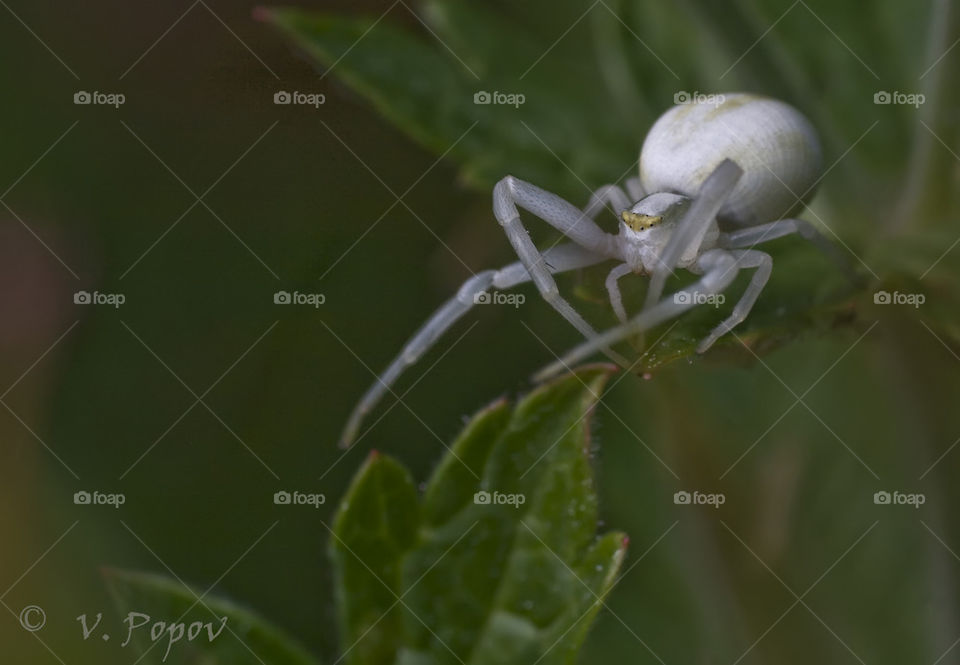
105	398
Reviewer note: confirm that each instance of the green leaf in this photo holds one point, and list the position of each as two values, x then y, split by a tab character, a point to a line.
453	484
375	526
457	579
244	638
513	582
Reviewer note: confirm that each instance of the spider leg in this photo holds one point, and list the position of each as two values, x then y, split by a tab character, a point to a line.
608	195
615	197
571	221
617	200
635	188
613	288
754	235
719	268
746	258
561	258
694	224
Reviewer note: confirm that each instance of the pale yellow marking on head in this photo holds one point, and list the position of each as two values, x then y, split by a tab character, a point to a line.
639	222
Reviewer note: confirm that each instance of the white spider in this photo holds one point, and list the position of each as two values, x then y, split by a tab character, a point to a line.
747	161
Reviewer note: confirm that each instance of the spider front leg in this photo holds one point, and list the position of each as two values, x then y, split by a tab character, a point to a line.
719	268
615	197
569	220
693	225
618	200
607	195
561	258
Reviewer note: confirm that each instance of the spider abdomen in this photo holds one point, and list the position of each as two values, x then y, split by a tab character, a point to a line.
774	144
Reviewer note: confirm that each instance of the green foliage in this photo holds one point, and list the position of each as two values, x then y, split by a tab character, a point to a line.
480	582
449	578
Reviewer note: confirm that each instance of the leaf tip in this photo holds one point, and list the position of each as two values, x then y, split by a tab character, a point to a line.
496	404
597	370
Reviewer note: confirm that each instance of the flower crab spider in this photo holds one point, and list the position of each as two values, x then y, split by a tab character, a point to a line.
740	161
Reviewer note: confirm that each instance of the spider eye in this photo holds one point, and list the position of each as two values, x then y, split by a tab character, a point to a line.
640	222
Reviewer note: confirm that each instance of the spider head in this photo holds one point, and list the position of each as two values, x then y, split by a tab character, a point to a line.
646	227
652	217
